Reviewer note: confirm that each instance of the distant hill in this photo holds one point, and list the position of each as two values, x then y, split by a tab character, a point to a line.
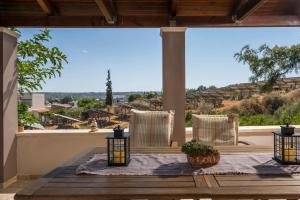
96	95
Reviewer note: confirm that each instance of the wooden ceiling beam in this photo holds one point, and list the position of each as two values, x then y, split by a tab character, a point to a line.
173	7
107	11
297	8
46	6
128	22
246	8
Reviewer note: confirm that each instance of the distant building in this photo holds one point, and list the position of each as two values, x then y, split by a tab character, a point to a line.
34	100
119	99
36	103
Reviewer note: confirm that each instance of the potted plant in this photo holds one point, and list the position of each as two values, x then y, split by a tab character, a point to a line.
287	118
200	155
118	131
24	117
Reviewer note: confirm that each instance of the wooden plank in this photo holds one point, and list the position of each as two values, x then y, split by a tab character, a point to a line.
107	13
117	193
247	9
95	179
33	187
200	181
45	6
259	183
124	184
211	181
253	192
254	177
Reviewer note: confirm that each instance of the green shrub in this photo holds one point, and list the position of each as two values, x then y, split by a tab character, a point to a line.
205	108
258	120
66	99
251	107
289	113
149	95
234	110
74	112
272	102
188	123
216	102
24	117
188	115
134	97
89	103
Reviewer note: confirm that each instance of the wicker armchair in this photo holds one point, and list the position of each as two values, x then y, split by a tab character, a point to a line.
216	129
151	128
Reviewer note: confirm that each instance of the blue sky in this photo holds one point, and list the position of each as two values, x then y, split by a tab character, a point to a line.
135	56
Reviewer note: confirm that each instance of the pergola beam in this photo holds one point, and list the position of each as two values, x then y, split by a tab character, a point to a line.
173	7
246	8
46	6
128	22
106	11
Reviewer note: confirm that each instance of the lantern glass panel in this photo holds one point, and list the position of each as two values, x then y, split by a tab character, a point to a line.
118	150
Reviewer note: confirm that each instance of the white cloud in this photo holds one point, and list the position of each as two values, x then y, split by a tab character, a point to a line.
84	51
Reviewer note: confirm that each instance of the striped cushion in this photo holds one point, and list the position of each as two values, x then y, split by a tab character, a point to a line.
215	129
151	128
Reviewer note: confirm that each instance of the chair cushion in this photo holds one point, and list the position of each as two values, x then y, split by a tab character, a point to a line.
151	128
214	129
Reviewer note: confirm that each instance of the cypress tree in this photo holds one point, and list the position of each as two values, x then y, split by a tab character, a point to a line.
109	96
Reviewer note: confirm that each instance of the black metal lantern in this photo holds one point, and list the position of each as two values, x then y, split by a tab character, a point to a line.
118	150
286	148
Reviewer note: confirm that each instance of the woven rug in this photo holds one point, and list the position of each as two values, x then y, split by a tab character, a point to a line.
176	164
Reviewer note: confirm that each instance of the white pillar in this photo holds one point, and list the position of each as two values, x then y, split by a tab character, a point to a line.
173	46
8	102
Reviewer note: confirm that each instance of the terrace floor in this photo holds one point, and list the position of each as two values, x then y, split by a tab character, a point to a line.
9	193
68	142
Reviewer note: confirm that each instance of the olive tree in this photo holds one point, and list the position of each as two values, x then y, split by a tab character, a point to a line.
38	62
270	64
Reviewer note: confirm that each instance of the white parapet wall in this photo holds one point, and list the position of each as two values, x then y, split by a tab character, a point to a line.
40	151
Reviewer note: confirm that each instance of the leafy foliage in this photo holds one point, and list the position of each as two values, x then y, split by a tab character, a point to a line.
288	113
24	117
109	95
150	95
89	103
258	120
286	117
251	107
272	102
194	148
202	88
212	87
134	97
38	62
66	99
270	64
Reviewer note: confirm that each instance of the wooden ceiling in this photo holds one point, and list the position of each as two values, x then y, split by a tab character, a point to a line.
149	13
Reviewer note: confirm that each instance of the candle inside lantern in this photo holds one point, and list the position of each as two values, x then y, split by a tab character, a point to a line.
119	157
290	154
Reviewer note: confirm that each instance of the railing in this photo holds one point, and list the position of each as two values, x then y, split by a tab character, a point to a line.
39	151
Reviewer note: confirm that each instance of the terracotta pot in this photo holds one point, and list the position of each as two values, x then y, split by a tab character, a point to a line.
203	161
20	129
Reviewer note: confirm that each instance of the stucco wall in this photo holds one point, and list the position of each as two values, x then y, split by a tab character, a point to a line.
39	153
